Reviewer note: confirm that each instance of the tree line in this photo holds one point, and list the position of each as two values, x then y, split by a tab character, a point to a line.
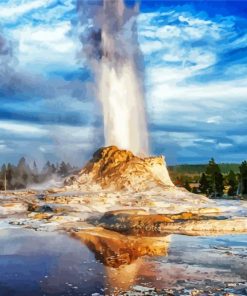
23	174
197	169
213	183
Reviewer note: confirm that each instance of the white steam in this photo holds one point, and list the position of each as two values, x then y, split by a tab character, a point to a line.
112	49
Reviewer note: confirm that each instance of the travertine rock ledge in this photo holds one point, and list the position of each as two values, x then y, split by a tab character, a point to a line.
160	224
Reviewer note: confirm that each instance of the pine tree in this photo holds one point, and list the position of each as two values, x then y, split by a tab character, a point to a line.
63	169
3	177
215	178
243	177
35	168
47	169
23	174
53	169
232	183
9	176
219	184
18	177
203	184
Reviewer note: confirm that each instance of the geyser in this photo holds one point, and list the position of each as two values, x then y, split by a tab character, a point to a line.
111	47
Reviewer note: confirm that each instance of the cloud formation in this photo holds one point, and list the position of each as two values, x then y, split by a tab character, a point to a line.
196	81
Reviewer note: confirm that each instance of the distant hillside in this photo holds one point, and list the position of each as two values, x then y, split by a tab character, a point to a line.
200	168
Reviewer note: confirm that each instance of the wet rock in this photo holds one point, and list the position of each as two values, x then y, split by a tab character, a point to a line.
40	209
10	208
142	289
40	216
158	224
127	212
41	196
45	209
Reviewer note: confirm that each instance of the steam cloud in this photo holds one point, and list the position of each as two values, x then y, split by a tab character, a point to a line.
111	48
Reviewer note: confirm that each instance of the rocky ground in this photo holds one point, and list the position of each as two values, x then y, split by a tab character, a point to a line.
227	289
130	213
122	192
121	197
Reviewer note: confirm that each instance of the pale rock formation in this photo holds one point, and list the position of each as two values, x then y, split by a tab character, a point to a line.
115	169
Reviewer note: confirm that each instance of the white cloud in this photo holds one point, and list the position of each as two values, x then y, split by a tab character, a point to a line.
42	40
194	21
224	145
4	148
42	149
179	48
45	46
150	47
184	139
169	96
22	129
215	119
239	140
18	8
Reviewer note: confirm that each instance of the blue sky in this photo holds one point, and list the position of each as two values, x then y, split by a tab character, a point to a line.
195	55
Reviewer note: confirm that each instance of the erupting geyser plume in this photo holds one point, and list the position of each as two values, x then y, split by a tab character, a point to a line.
111	47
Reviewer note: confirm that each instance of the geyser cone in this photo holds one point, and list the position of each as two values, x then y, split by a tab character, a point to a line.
113	168
114	55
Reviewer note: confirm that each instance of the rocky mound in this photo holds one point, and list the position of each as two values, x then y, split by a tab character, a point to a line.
116	169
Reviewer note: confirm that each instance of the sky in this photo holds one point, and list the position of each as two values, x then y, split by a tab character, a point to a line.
195	58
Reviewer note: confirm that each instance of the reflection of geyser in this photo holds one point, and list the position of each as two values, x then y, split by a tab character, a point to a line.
122	255
111	48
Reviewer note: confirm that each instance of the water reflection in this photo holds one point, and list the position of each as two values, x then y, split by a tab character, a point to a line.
106	262
123	256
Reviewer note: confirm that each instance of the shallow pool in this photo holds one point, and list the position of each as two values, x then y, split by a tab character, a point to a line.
41	263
